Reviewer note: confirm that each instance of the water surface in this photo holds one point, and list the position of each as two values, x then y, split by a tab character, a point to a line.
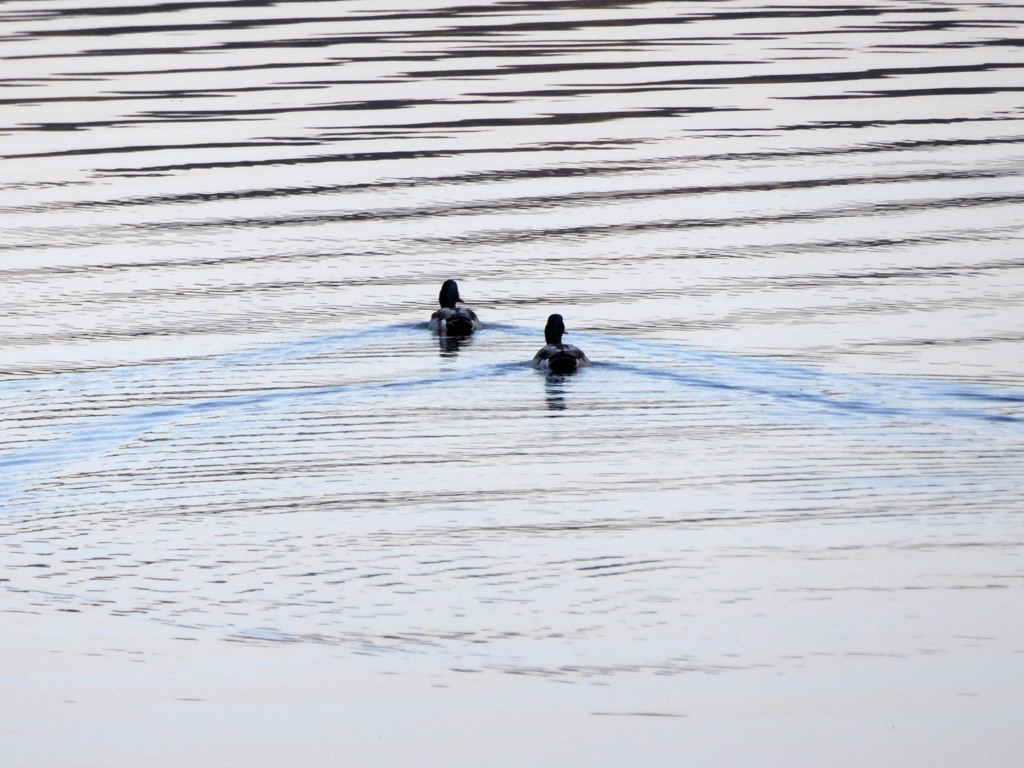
787	492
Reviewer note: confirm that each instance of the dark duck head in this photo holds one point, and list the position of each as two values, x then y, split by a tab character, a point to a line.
554	330
449	294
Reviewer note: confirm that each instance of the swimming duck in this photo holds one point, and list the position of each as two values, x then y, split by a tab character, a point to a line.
556	356
450	320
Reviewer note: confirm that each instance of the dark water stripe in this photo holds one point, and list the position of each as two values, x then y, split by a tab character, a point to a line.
781	78
469	31
448	12
995	42
503	69
216	115
66	12
191	93
411	154
346	157
880	122
906	93
669	225
607	168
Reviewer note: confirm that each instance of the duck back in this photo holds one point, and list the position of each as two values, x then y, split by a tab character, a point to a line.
459	324
454	321
562	362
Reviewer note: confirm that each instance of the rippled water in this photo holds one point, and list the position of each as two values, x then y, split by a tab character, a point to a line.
788	236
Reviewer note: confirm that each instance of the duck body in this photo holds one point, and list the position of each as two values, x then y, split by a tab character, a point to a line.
555	356
455	321
451	320
560	358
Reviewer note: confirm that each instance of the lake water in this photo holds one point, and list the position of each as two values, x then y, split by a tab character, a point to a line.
255	513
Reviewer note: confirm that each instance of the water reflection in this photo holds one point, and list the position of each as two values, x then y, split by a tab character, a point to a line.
449	346
554	390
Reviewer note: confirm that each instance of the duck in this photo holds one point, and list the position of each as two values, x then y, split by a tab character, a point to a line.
450	320
556	356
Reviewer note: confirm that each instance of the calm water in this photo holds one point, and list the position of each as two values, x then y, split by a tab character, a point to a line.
788	236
